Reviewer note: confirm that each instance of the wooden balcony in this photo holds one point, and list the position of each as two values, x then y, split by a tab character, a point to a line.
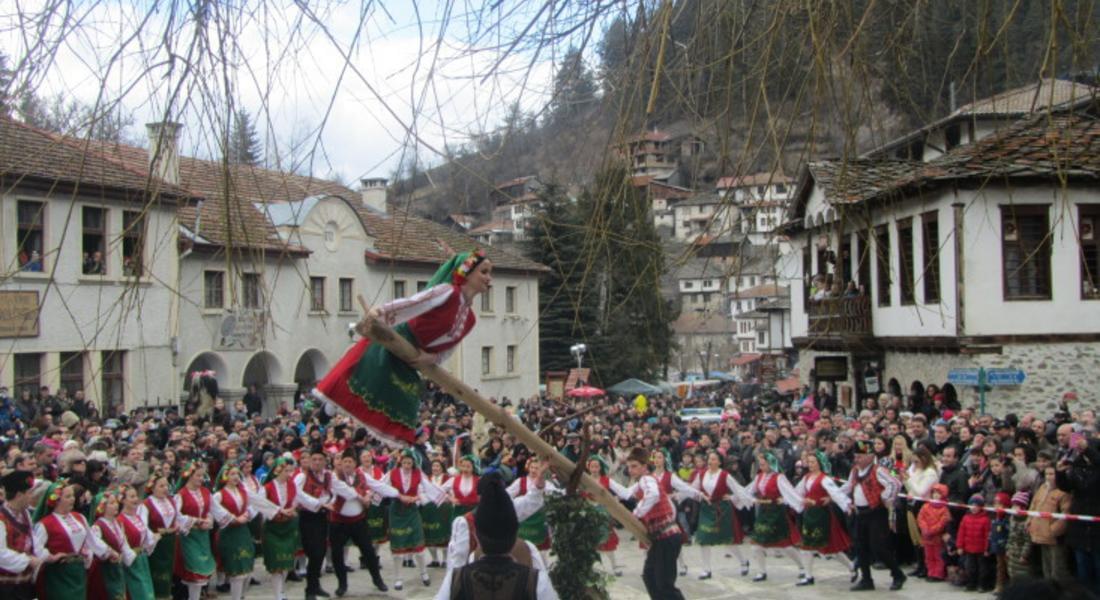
840	317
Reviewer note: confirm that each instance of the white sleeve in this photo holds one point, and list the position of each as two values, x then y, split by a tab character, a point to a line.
890	486
513	490
444	592
381	488
739	497
650	495
151	539
221	516
341	489
786	490
400	310
528	504
618	489
536	558
40	539
842	500
303	499
685	488
458	549
430	492
128	554
545	590
94	542
10	560
185	522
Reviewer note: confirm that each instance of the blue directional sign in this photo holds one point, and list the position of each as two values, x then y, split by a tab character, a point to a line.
1005	376
962	376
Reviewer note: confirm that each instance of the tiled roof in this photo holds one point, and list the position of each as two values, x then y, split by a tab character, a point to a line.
28	153
491	227
751	180
1043	95
745	359
851	181
767	290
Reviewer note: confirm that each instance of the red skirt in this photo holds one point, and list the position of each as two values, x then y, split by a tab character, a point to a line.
612	542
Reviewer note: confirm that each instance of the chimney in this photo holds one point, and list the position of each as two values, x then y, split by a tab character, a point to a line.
373	190
164	157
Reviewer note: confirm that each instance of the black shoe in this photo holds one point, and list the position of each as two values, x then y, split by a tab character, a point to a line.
744	568
805	581
683	571
349	568
918	573
341	590
863	586
378	583
704	575
425	580
320	593
761	577
292	576
328	570
897	583
222	589
253	581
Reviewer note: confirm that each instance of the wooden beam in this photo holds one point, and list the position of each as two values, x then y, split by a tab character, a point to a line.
402	349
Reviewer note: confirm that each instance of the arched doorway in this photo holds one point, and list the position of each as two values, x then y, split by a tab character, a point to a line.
263	368
312	366
206	361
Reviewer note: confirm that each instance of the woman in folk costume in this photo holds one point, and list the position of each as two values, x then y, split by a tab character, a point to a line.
232	511
436	518
719	524
281	536
159	512
378	517
406	526
533	528
774	526
141	541
599	471
382	391
106	580
822	531
463	487
255	490
673	487
194	559
64	543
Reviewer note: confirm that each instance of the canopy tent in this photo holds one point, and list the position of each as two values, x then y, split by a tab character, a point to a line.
721	376
633	387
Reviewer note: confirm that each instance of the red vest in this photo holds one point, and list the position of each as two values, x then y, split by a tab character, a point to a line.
156	519
413	483
665	481
815	490
110	534
770	489
190	506
19	537
57	535
721	488
660	521
134	530
359	482
872	488
437	322
317	487
464	499
273	495
229	503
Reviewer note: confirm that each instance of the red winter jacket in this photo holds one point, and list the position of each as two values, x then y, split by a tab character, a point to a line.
973	534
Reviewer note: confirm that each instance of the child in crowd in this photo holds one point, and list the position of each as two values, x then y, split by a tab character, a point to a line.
933	520
998	539
1019	541
972	540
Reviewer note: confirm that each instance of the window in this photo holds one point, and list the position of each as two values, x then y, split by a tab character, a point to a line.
882	264
30	235
213	289
28	374
760	335
905	260
688	285
845	260
398	289
486	360
133	243
863	252
346	287
93	239
487	301
114	397
250	288
1025	252
931	249
780	188
1089	218
807	272
317	294
511	359
510	299
72	372
421	286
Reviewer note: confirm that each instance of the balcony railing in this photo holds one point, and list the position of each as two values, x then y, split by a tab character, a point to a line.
840	316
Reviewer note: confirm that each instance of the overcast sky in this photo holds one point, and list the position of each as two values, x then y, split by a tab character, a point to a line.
288	68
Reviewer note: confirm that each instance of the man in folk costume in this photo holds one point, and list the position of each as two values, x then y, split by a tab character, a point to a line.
533	528
496	573
822	531
380	390
873	491
464	547
315	496
348	519
657	513
17	557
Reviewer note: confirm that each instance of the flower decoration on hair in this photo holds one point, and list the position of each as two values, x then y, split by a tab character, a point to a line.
49	499
468	265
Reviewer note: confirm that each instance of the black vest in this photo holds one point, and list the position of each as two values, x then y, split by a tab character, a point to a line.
494	578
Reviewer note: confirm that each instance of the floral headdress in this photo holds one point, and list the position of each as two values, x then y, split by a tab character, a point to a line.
49	499
457	268
280	463
823	460
223	475
413	455
99	504
772	460
186	472
604	468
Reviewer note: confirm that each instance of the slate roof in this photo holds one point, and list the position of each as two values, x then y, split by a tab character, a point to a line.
767	290
752	180
1046	94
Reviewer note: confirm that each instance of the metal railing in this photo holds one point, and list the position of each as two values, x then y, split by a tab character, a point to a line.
840	316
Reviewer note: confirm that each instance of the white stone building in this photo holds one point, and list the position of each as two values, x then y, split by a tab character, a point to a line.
761	199
983	256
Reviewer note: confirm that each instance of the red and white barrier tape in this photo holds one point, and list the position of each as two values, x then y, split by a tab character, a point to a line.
1013	511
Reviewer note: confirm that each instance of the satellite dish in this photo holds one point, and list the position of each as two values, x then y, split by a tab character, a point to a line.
229	325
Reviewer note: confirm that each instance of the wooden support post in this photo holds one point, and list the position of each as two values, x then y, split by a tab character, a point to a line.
402	349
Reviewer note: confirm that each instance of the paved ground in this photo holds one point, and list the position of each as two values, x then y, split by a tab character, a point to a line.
832	582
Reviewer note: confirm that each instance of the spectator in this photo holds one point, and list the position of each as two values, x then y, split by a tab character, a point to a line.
972	541
1045	532
1078	473
1019	547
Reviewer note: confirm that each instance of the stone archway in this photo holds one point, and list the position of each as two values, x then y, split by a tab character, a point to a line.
206	361
265	372
312	366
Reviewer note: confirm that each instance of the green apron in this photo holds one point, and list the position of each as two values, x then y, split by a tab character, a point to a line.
281	542
387	384
197	556
815	526
771	525
460	510
406	529
64	580
534	530
236	550
378	523
715	524
437	524
139	581
161	562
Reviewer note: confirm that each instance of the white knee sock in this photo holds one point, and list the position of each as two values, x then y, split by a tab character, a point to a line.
614	562
397	560
194	591
704	553
434	552
794	555
843	559
278	581
760	557
735	550
808	561
236	587
421	563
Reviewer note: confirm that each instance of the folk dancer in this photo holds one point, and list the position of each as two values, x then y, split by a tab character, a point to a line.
774	526
142	541
406	527
463	487
380	390
348	519
534	528
106	580
18	560
315	498
195	560
674	487
159	512
719	524
281	534
436	518
822	532
873	491
657	513
598	470
378	519
232	510
63	543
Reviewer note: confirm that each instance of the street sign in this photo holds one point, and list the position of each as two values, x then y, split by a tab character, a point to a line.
962	376
1005	376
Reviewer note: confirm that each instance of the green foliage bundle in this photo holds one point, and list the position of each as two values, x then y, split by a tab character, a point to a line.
578	527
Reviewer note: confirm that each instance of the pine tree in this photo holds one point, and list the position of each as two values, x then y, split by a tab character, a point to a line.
574	88
6	80
244	142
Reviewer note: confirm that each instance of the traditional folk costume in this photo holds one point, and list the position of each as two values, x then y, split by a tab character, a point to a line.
463	548
106	580
719	524
314	492
677	489
348	521
378	514
533	528
161	515
256	525
382	391
822	531
281	535
236	550
873	491
141	541
16	541
463	489
69	536
609	540
194	557
774	526
657	513
406	526
436	519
